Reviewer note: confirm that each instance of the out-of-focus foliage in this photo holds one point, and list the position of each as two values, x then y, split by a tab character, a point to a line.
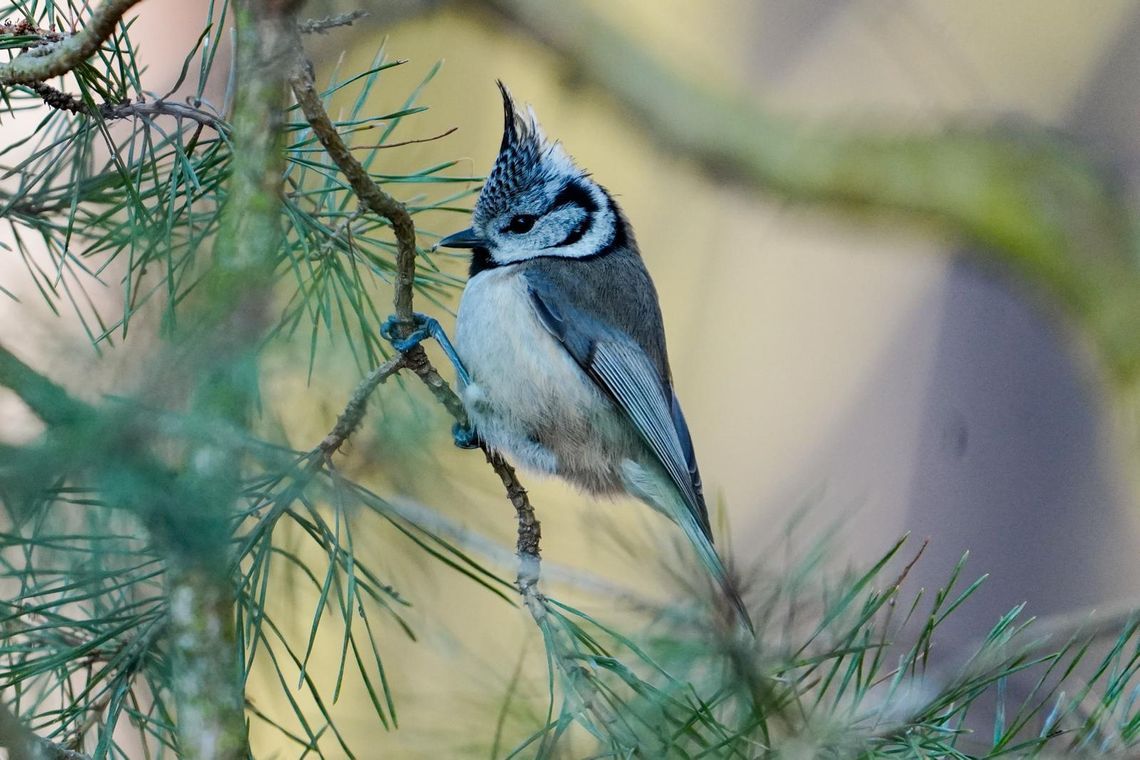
839	669
123	188
135	200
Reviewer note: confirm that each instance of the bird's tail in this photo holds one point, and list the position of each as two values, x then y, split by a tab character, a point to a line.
653	486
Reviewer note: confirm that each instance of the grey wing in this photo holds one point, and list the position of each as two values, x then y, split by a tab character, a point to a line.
618	365
686	442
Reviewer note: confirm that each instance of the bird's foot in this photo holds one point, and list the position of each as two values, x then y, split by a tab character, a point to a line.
423	327
464	436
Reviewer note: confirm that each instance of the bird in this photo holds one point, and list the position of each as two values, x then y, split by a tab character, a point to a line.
560	344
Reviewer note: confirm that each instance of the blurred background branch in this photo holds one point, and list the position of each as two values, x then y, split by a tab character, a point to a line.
1036	203
222	377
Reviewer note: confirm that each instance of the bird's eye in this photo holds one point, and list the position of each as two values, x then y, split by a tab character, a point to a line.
521	223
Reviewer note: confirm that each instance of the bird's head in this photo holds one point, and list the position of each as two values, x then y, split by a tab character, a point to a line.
536	201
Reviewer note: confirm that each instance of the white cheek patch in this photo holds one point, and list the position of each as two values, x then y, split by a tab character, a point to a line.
549	233
600	235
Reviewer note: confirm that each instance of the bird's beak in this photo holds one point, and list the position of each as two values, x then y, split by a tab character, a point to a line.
462	239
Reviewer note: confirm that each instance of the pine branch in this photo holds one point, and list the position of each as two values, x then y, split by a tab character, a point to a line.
369	193
22	744
46	61
322	25
48	401
207	685
62	101
529	535
349	420
379	202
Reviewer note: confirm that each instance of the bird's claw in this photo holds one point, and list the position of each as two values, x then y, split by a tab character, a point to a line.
464	436
423	327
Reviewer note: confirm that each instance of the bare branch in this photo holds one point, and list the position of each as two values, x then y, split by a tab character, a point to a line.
369	193
63	101
353	414
418	362
529	535
382	204
46	61
154	108
322	25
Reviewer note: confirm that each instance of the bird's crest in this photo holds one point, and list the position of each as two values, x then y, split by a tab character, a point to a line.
526	160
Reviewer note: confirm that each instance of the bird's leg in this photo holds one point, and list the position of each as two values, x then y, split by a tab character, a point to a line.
425	326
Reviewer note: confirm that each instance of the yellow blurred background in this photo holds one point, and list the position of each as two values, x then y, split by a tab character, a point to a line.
863	369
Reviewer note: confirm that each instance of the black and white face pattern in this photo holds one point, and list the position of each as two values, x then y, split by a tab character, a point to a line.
537	203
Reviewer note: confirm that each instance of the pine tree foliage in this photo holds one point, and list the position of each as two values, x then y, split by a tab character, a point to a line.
123	190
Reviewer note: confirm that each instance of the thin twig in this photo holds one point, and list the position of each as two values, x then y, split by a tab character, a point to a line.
353	414
529	535
910	565
402	143
322	25
62	101
369	193
46	61
94	715
55	624
162	108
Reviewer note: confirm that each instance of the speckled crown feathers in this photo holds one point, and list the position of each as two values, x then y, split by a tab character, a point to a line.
526	160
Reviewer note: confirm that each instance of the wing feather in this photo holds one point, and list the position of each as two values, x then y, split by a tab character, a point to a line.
623	370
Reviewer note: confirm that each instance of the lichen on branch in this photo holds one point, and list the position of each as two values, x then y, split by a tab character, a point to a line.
59	57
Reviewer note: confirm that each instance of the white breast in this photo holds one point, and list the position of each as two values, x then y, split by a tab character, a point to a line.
524	384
